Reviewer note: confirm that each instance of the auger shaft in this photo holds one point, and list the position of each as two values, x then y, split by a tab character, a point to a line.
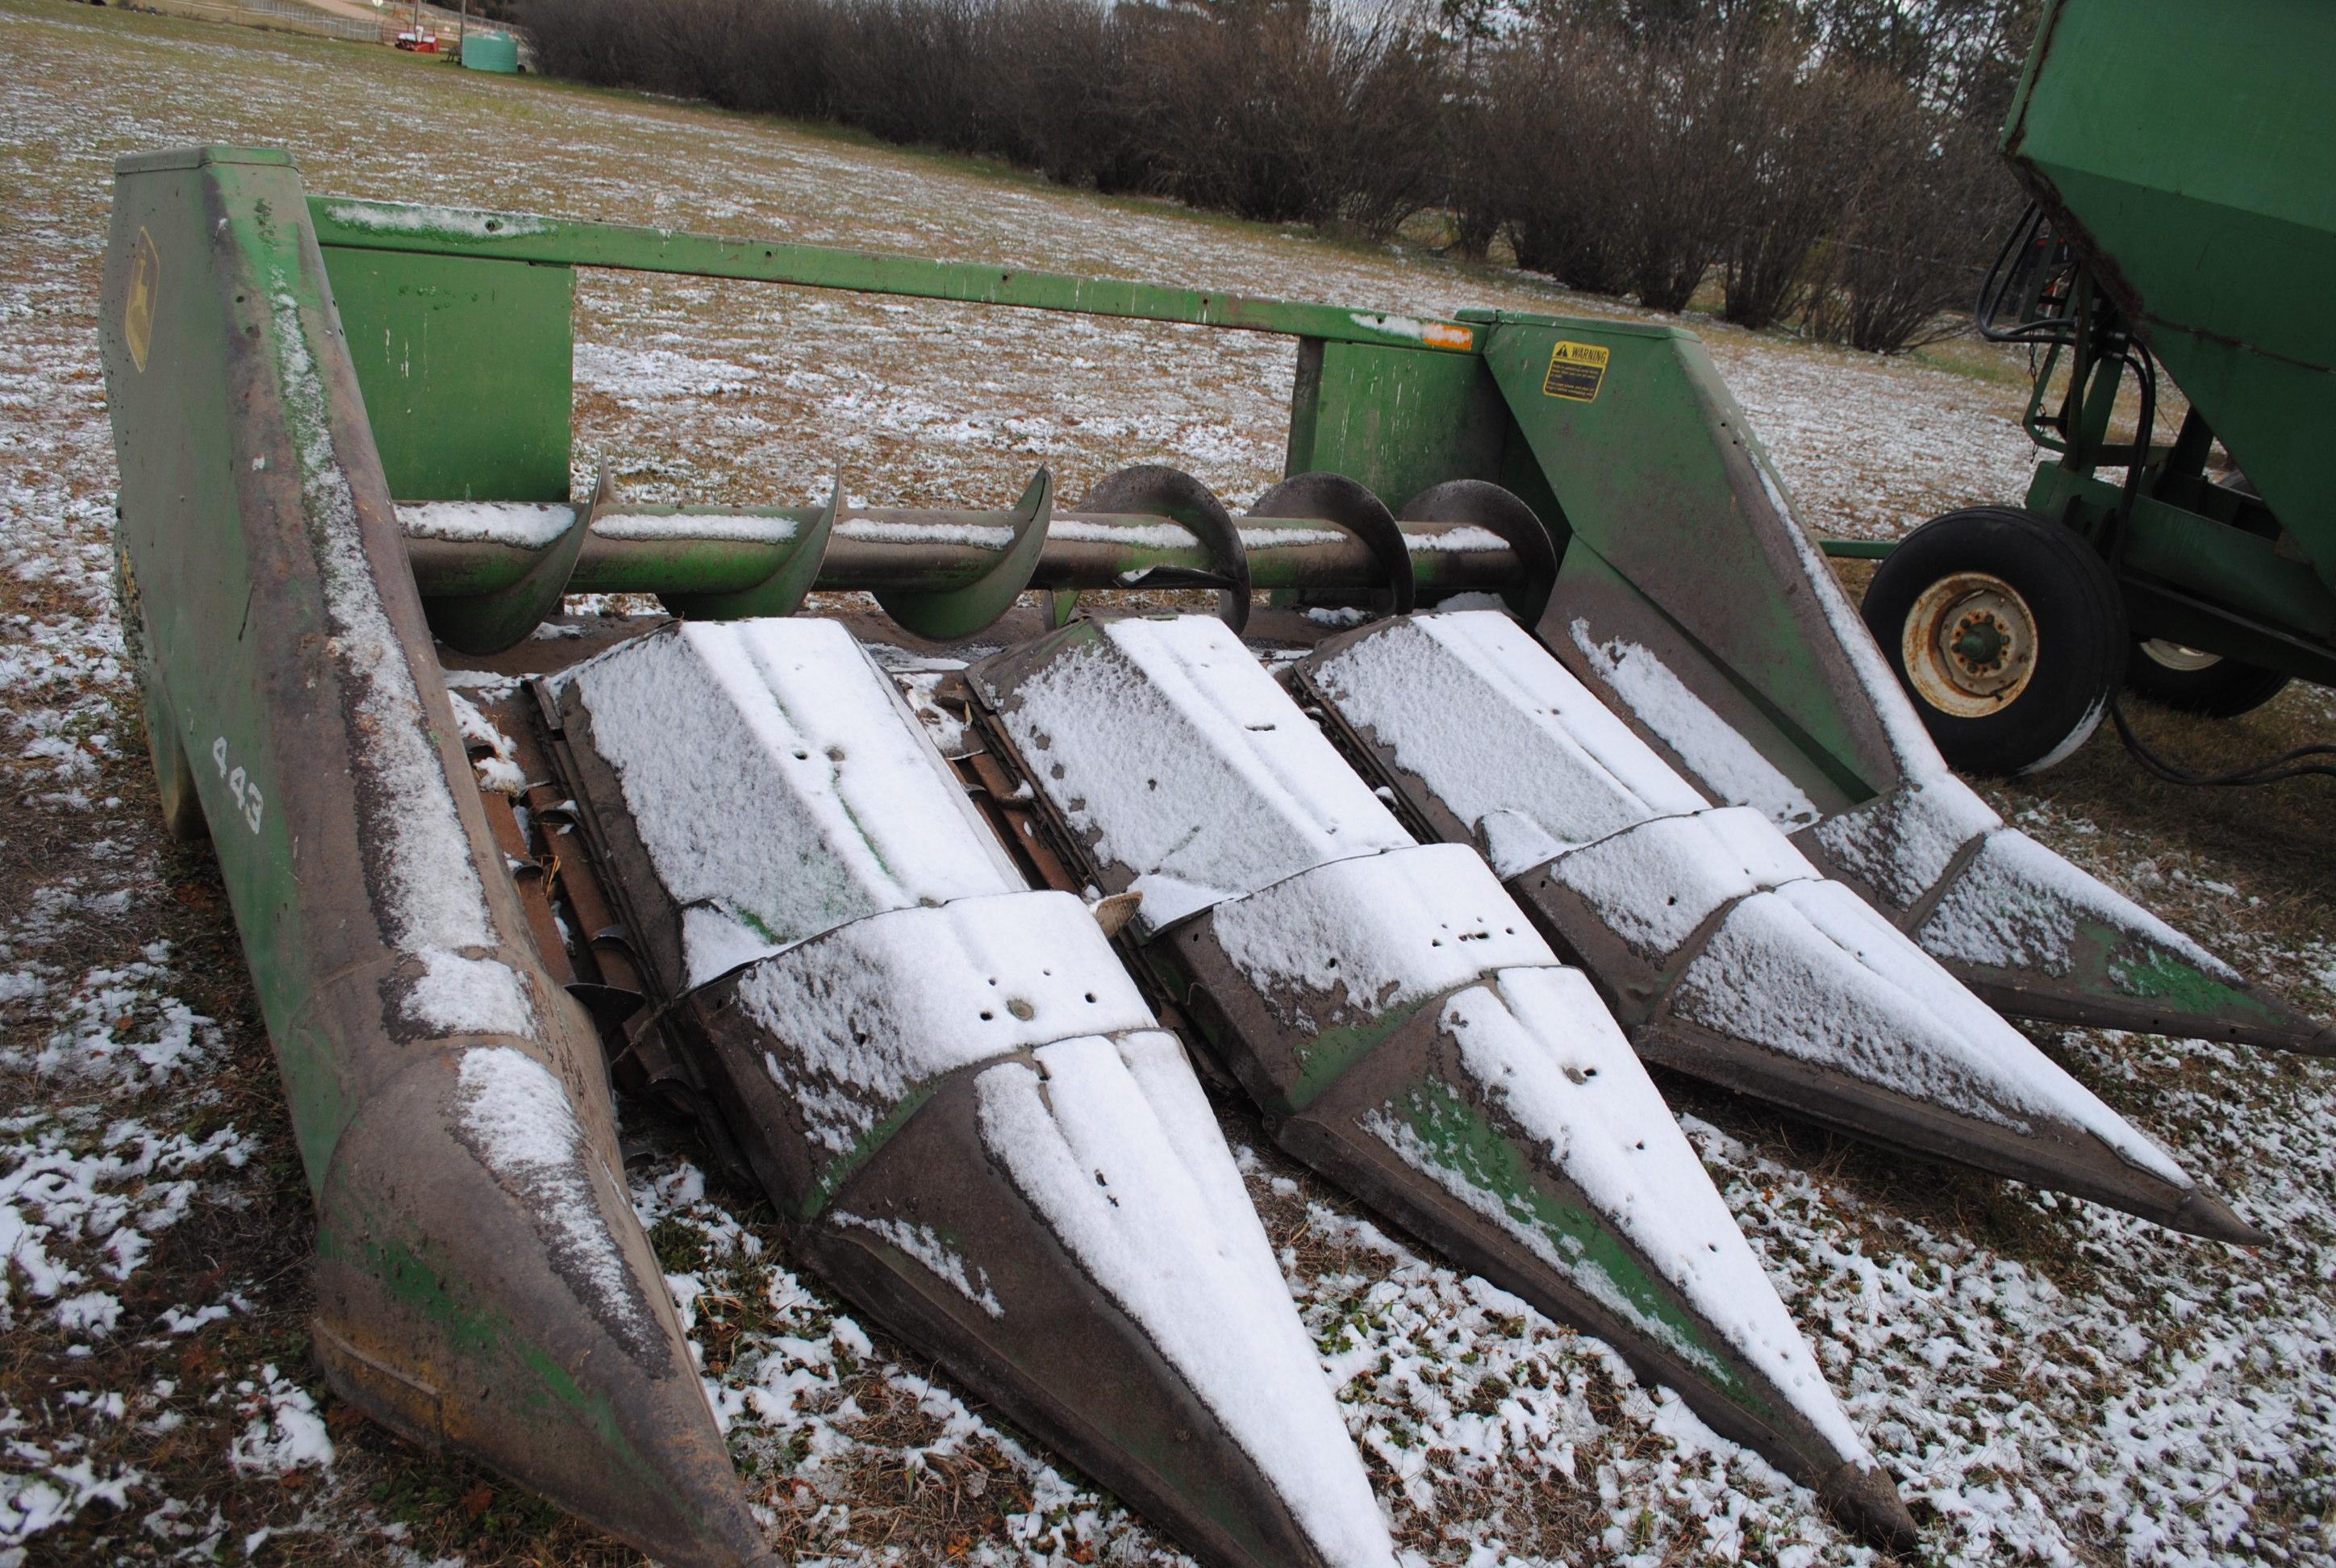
710	550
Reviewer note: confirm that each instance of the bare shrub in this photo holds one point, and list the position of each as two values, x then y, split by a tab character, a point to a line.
1556	136
1055	70
1795	159
1901	266
1620	155
1276	115
1624	146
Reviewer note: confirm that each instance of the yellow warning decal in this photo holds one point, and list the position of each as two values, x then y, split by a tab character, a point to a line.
1576	371
138	309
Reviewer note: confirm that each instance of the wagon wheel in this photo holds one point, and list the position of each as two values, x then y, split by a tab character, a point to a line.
2192	680
2008	632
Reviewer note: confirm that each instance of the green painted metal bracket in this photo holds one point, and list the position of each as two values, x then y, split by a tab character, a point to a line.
342	222
1396	420
466	366
1695	521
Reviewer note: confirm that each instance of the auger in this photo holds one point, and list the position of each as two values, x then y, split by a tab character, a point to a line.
942	994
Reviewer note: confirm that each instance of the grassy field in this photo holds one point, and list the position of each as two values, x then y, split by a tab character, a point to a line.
2047	1380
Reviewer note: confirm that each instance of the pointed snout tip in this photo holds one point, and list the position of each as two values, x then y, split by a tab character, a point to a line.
2205	1215
1862	1499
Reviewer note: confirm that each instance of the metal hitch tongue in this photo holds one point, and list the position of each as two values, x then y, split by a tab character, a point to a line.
1403	1027
1721	949
971	1123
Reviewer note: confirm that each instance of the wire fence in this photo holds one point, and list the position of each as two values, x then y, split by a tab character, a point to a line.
289	15
295	16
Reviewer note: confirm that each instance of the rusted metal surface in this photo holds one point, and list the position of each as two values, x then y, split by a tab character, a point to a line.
698	561
483	1282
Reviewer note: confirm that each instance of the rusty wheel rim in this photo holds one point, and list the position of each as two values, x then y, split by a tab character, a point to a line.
1970	645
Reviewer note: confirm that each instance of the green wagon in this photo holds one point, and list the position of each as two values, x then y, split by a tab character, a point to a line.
2183	162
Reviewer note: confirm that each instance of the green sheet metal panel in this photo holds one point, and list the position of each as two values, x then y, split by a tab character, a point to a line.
1395	420
466	366
1657	470
2192	152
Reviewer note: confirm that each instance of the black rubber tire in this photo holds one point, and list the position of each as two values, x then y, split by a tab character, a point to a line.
2081	640
2224	689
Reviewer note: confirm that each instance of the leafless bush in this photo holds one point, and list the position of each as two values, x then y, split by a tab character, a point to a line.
1057	72
1795	158
1556	135
1269	113
1279	116
1620	155
1900	268
1626	149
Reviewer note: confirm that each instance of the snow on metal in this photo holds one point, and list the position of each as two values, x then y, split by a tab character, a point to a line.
866	1013
783	790
1472	707
427	889
1166	743
1114	1142
1538	1043
1395	928
826	803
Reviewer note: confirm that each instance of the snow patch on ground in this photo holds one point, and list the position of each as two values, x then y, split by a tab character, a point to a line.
284	1432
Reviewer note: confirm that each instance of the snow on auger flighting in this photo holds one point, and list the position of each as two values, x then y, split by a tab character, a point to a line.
949	992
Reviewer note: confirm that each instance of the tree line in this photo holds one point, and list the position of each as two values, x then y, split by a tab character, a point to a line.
1825	164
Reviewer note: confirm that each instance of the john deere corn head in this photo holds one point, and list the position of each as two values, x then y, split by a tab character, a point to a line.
1426	895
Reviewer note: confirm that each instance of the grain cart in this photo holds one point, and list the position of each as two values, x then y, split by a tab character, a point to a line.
945	984
2183	164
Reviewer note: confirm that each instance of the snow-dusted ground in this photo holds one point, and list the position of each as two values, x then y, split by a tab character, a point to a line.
2049	1380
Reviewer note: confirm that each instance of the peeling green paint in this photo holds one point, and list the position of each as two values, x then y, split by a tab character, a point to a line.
477	1335
1462	1144
2154	975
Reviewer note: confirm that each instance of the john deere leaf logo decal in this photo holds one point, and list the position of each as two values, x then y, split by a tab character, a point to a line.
138	313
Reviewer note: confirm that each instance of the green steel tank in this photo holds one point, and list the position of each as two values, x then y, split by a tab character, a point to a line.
493	52
2181	159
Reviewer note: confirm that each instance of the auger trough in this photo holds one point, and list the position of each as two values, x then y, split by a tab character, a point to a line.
954	982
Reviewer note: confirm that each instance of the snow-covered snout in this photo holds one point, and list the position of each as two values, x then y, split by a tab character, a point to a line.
1722	948
953	1088
1404	1027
